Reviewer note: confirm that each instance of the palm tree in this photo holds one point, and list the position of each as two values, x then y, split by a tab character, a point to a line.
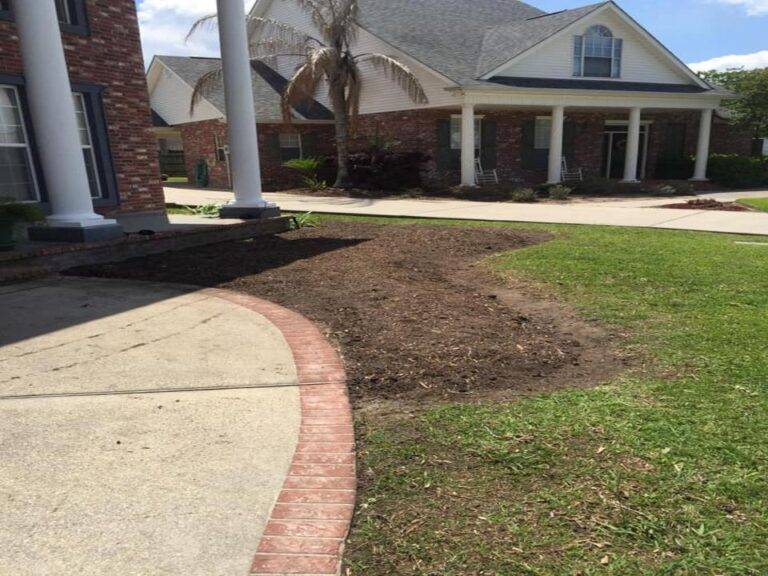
327	61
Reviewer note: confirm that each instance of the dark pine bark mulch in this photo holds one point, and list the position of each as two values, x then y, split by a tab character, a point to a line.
410	307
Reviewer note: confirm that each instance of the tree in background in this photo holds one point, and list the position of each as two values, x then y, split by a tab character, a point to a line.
751	108
327	62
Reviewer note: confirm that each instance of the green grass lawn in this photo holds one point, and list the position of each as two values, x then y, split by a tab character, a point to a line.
759	203
663	471
177	180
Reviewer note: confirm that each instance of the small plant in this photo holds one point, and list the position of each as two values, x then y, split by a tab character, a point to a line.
306	220
309	168
206	211
560	192
11	213
522	195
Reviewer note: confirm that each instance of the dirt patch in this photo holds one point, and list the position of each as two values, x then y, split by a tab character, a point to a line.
411	307
707	204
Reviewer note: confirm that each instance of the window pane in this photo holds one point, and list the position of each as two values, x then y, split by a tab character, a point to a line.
618	48
16	180
93	181
82	121
598	67
11	125
5	5
62	7
543	133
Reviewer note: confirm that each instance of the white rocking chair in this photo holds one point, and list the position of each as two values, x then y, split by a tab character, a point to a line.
485	176
571	174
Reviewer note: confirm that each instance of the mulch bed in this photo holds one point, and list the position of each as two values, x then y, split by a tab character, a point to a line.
706	204
413	312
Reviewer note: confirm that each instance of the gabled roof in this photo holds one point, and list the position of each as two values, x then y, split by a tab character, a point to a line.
502	43
446	35
267	88
468	41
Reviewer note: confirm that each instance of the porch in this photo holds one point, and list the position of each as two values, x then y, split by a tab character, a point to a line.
607	135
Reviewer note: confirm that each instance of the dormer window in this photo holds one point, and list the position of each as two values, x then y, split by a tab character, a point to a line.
597	54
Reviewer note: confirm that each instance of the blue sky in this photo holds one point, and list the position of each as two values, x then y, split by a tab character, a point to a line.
709	33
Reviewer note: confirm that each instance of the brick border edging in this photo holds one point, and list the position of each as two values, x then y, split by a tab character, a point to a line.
310	521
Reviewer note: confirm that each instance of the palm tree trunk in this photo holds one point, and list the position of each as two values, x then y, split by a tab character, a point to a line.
341	114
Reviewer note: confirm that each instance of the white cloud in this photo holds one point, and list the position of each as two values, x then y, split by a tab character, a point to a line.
165	23
721	63
754	7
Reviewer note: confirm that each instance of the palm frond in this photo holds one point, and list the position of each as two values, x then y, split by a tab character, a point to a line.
400	74
301	88
354	95
208	22
268	29
207	83
346	19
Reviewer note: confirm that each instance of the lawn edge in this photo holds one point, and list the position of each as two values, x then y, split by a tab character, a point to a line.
312	516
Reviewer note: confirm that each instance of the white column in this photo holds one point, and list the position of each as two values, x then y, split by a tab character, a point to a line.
468	145
52	109
633	146
241	115
702	151
556	146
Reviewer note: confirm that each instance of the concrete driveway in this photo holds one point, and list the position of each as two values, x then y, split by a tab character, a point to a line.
144	429
630	213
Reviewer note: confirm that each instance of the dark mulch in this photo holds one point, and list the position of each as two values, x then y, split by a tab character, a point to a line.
707	204
411	309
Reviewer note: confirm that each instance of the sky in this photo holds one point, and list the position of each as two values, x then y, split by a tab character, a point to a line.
706	34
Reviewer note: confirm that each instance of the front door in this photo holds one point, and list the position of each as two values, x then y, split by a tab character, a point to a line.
615	151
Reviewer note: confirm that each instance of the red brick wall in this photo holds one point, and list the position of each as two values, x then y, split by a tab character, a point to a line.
200	143
111	57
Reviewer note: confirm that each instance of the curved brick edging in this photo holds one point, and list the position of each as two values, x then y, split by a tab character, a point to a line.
309	524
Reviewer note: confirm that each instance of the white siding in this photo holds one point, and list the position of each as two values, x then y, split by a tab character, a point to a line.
642	62
170	97
379	93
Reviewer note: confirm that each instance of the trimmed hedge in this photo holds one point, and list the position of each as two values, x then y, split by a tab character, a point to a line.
737	171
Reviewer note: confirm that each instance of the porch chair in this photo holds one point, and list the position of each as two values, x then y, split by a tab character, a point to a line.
571	174
485	176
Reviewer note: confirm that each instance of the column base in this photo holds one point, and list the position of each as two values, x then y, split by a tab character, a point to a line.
76	234
699	180
629	182
249	213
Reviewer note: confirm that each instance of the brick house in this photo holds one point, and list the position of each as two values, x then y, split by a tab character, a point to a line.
92	164
509	85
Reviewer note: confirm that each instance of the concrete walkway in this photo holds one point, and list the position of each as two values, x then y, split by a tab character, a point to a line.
144	429
643	213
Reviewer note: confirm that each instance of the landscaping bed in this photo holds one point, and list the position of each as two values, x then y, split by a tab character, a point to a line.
709	204
413	311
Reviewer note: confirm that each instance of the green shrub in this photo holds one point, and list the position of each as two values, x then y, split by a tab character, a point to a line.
309	167
20	212
524	195
207	211
559	192
306	220
737	171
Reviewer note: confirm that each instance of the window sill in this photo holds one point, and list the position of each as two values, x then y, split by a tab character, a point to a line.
73	29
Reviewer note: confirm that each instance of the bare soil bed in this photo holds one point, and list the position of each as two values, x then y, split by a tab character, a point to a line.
414	312
708	204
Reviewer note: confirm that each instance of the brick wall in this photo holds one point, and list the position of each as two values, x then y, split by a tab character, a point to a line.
200	140
111	57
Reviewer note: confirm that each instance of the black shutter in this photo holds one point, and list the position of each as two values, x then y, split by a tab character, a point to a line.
528	152
488	144
272	150
309	145
443	145
569	140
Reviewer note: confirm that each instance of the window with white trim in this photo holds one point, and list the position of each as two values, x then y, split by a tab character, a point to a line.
542	134
456	133
597	54
86	142
17	176
290	146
